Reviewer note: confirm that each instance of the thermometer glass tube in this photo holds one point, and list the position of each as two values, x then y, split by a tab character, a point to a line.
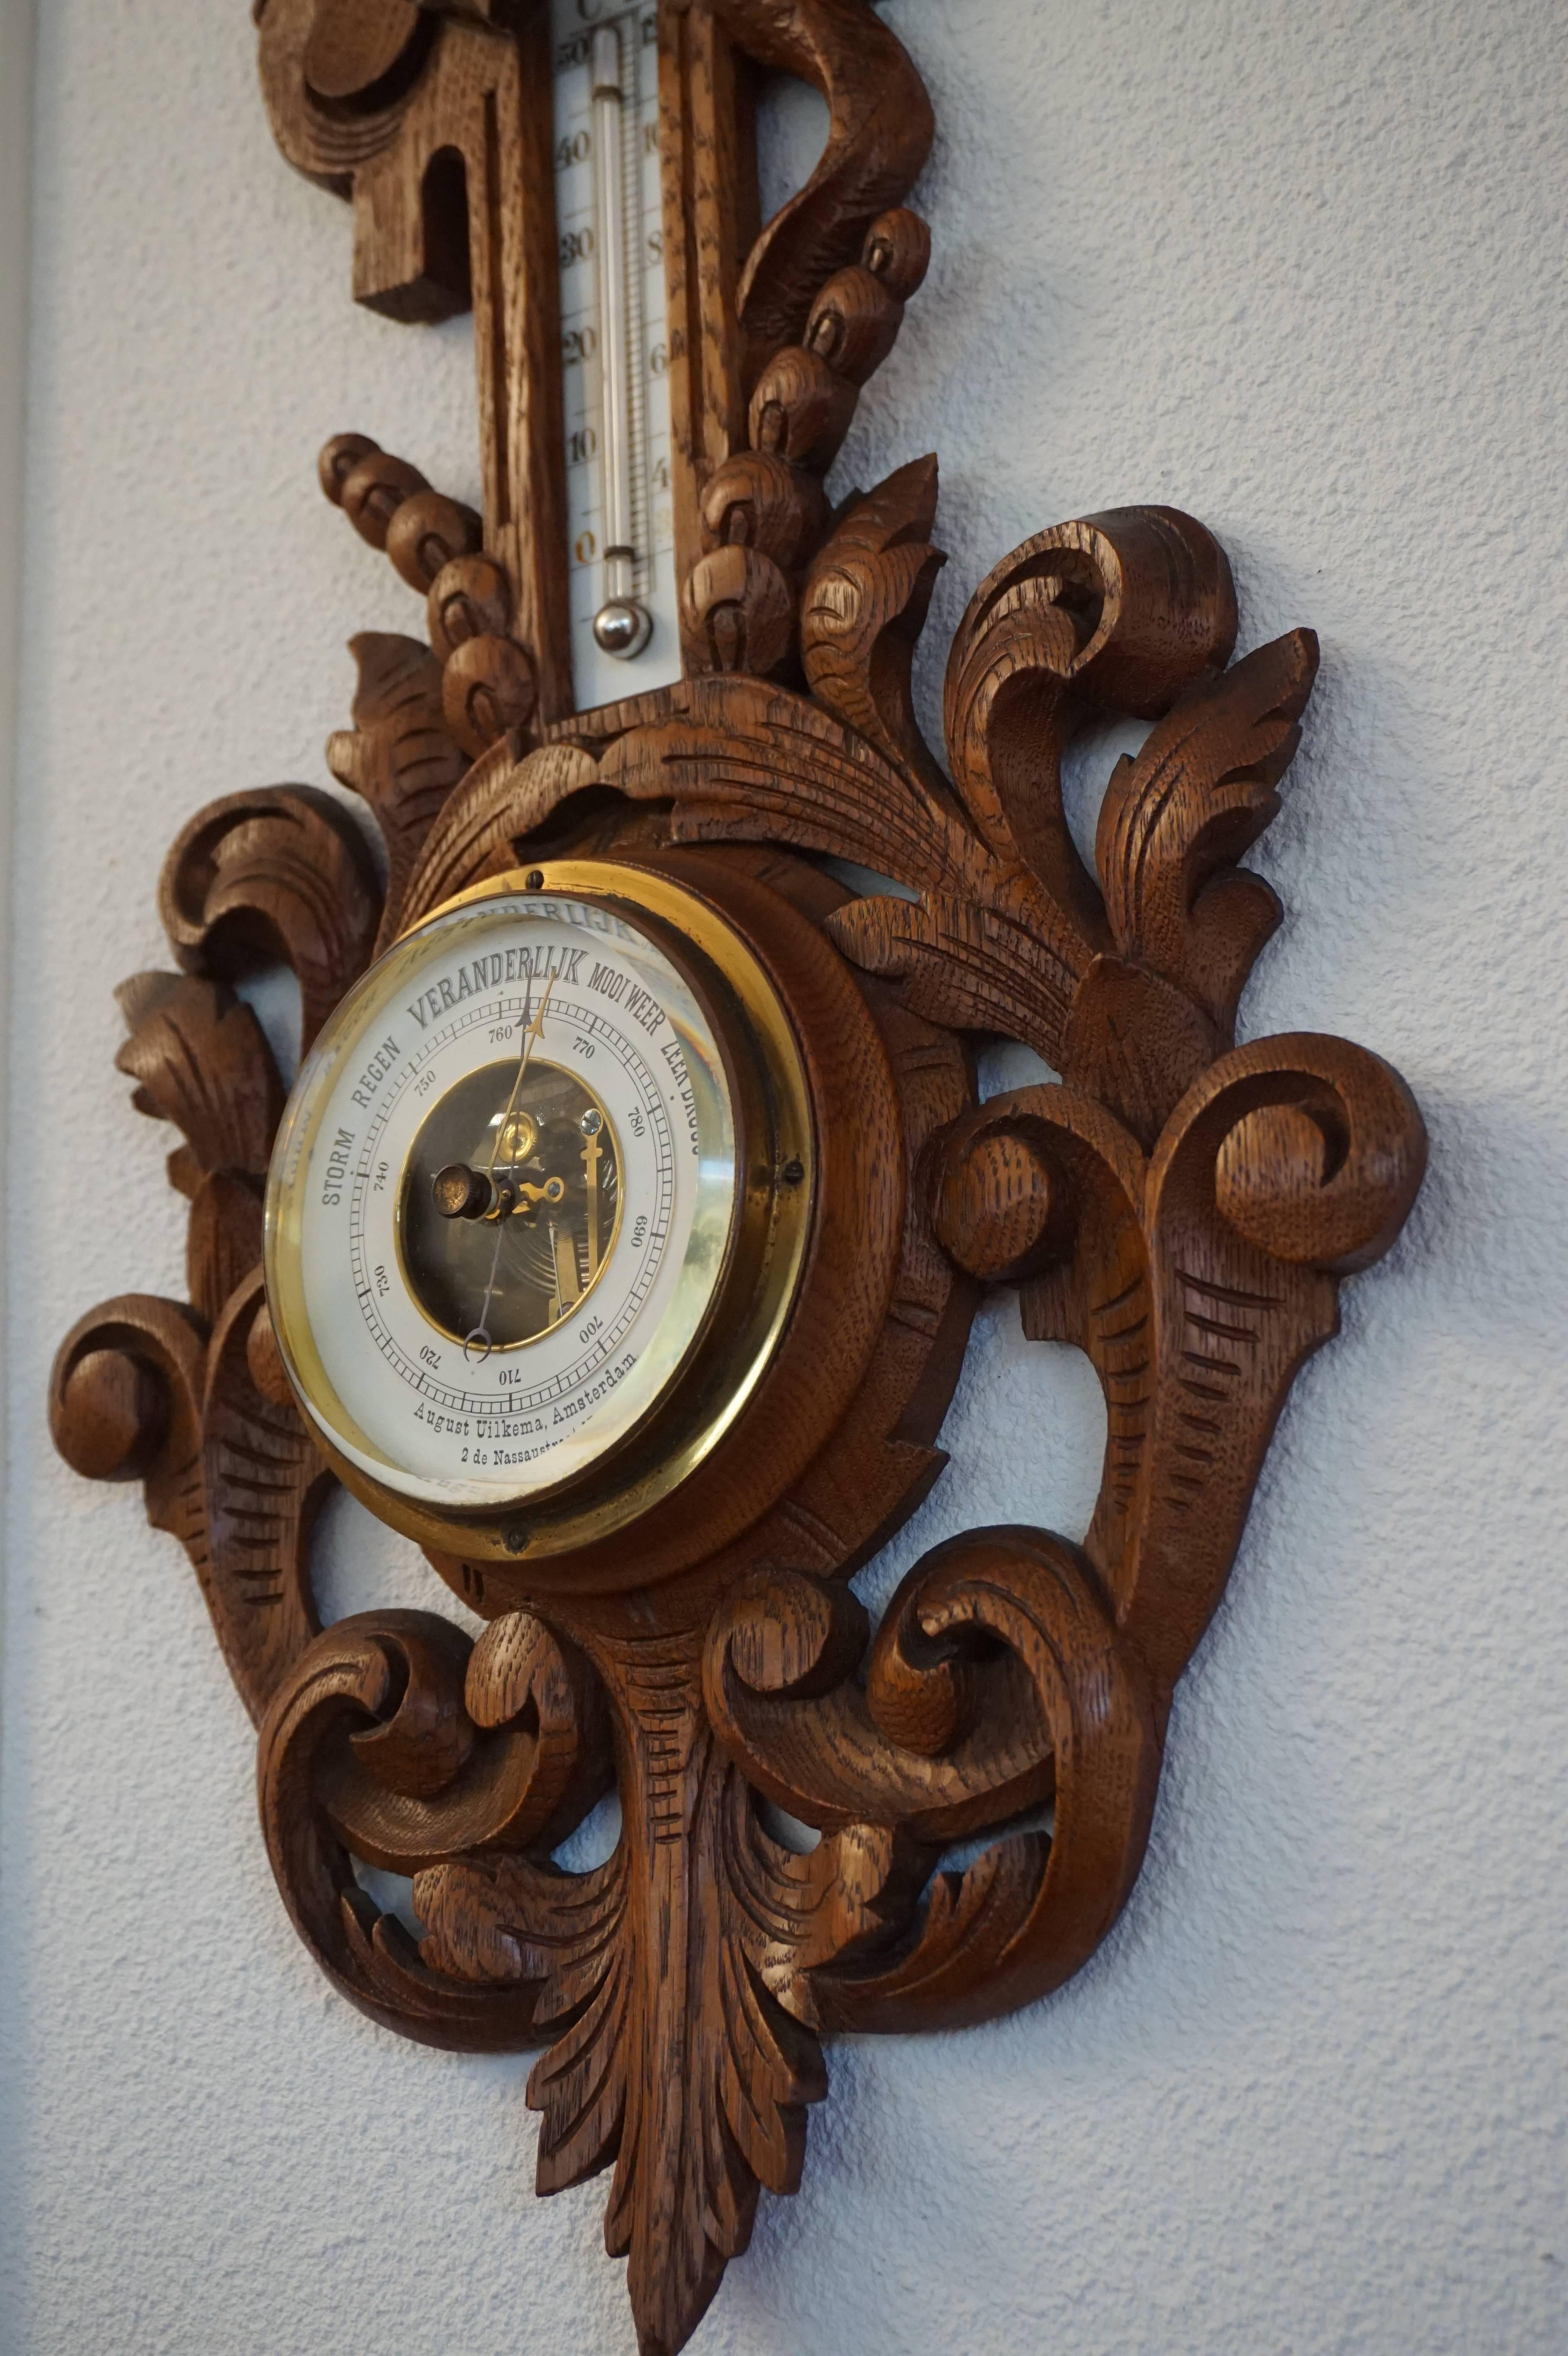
609	217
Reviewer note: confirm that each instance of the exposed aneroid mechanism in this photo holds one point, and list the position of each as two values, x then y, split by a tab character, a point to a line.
662	1560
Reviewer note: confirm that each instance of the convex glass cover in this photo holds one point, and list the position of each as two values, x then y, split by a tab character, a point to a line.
510	1187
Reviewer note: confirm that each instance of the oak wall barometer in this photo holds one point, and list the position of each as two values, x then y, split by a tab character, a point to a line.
621	1236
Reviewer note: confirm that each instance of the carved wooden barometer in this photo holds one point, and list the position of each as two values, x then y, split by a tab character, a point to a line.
621	1236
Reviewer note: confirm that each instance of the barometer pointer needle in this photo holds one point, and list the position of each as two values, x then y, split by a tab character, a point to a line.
481	1331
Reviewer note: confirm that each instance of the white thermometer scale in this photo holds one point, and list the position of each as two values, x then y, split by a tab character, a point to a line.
609	218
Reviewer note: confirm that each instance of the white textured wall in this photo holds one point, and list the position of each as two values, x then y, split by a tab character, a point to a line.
1299	269
16	159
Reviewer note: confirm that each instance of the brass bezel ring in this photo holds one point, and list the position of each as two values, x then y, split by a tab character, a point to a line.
716	1368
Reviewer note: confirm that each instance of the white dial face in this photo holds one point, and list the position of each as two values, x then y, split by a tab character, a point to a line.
614	356
501	1199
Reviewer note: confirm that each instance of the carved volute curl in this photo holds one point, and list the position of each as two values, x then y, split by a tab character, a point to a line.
1180	1208
398	1742
281	876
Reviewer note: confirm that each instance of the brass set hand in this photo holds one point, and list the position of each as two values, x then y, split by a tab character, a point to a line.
462	1191
534	1030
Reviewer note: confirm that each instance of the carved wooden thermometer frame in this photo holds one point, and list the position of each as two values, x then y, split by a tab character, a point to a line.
1179	1207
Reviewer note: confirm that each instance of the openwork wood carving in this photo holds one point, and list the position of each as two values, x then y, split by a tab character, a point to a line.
1180	1208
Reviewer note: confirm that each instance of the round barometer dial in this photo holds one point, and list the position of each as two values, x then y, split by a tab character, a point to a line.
538	1205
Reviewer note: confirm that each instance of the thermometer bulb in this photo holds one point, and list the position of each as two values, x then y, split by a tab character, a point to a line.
622	627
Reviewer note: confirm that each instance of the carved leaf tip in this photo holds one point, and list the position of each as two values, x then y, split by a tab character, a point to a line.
1177	819
200	1059
981	964
902	508
400	757
863	608
1007	712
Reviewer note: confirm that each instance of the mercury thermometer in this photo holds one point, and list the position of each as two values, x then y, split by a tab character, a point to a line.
614	357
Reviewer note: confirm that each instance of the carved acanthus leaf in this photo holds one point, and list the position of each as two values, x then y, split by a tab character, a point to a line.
200	1059
537	1763
501	798
369	1741
1197	1284
779	1689
137	1393
1120	611
983	947
506	1917
481	1753
1136	1041
863	608
880	131
973	1928
969	964
264	1481
697	2142
401	754
796	1913
745	762
125	1404
279	874
1006	719
1293	1162
522	1921
997	1678
690	2144
1175	819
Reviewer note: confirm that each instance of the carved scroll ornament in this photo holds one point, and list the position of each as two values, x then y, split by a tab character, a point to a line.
1180	1208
